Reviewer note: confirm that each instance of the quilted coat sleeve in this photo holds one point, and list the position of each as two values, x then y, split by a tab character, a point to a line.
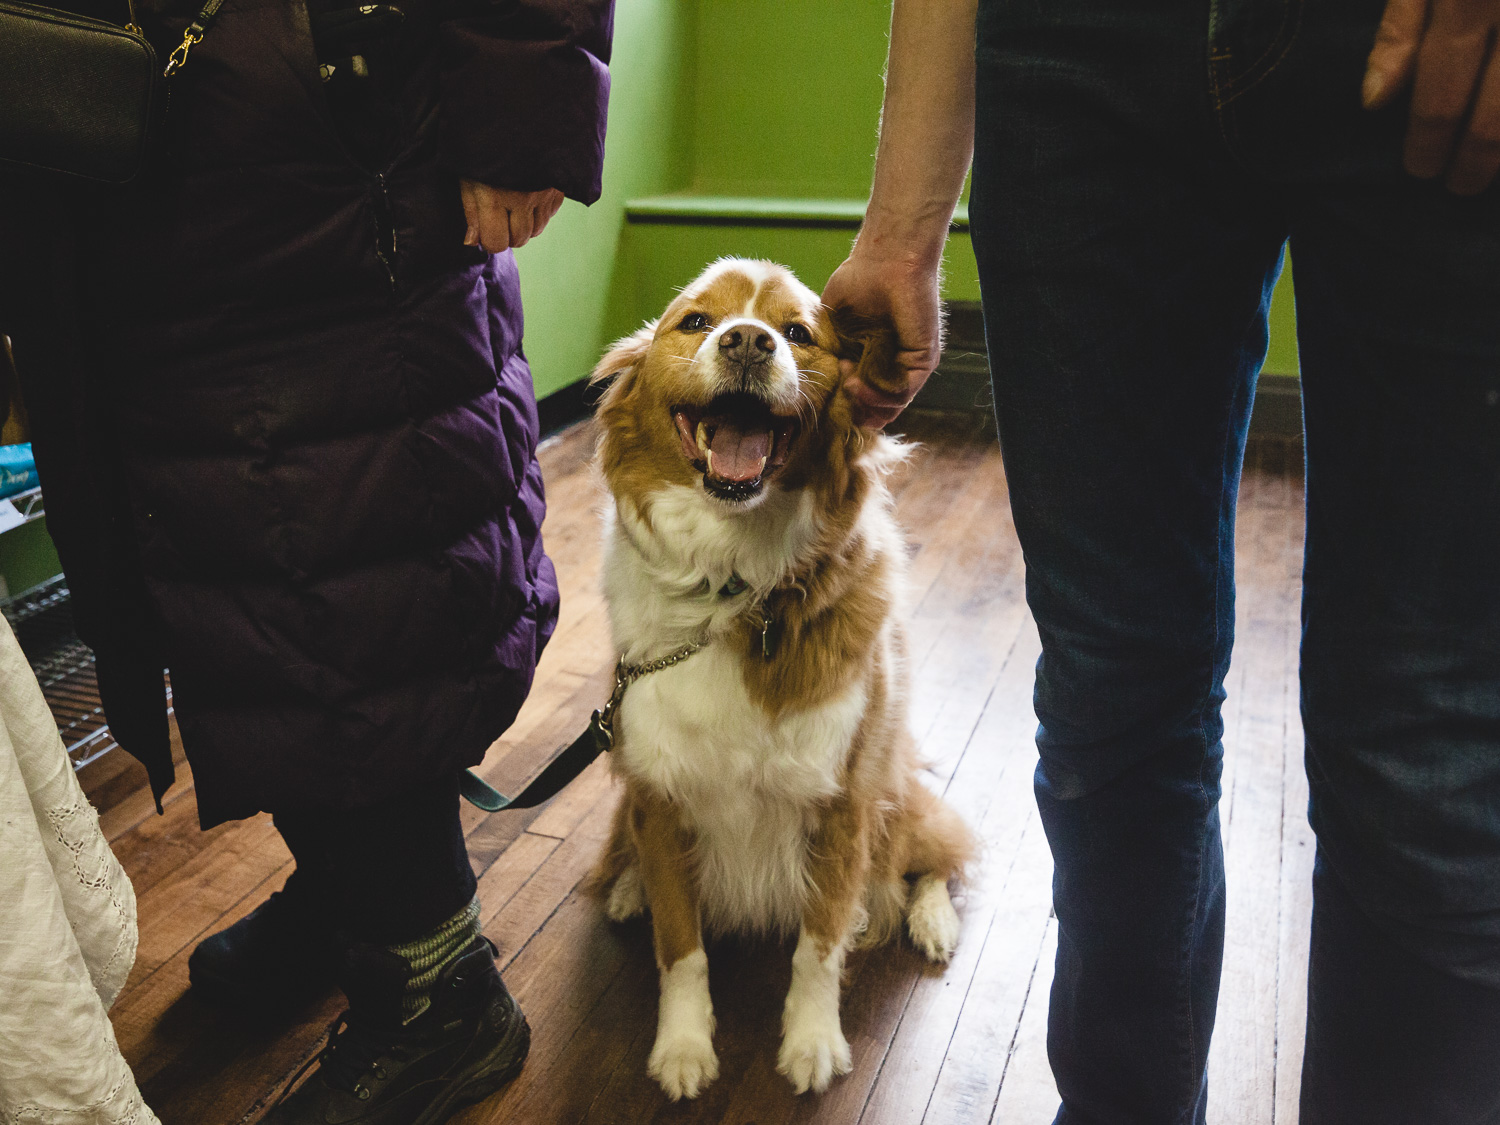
525	89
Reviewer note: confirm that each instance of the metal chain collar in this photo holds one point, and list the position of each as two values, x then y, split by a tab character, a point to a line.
603	722
627	674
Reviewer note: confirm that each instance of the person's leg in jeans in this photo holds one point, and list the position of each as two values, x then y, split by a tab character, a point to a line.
383	874
430	1025
1125	278
1398	304
388	873
1399	300
393	876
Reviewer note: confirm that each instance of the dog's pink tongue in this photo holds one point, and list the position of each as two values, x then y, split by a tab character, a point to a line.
738	454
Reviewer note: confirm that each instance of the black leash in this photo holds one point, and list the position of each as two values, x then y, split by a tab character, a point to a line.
576	756
600	735
573	760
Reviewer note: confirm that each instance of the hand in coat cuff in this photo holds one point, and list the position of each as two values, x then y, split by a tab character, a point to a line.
500	219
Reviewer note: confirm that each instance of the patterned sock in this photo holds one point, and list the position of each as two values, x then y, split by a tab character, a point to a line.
431	954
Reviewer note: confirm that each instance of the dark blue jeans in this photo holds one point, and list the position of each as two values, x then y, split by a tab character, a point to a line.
1140	166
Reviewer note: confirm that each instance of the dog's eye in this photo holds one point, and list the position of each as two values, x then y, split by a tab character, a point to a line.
693	322
798	334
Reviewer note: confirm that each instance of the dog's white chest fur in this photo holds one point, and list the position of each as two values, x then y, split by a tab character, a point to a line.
748	784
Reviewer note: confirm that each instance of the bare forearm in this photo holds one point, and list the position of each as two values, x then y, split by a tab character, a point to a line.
926	141
926	133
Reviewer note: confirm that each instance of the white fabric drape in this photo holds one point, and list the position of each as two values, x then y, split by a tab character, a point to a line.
67	927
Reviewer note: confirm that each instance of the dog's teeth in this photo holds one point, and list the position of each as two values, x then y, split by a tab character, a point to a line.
762	467
702	436
709	453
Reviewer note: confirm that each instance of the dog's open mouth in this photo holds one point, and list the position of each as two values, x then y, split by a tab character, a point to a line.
735	441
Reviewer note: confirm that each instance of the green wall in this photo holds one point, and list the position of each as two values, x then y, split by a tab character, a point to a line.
27	558
722	109
570	276
788	96
1281	357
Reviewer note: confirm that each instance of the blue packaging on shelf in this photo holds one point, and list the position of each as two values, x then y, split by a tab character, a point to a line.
17	469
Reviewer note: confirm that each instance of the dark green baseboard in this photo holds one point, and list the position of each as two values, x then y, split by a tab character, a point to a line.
694	209
1278	407
962	380
562	408
962	383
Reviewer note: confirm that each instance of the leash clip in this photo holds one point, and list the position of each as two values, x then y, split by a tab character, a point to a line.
603	721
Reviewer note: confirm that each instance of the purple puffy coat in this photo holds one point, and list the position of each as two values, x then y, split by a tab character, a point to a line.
284	424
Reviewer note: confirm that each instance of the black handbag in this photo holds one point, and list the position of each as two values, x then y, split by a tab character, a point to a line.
81	97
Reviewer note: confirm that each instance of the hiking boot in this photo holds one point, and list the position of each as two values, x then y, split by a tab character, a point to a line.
470	1042
280	955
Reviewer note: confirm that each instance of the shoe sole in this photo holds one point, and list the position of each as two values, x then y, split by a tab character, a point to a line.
517	1041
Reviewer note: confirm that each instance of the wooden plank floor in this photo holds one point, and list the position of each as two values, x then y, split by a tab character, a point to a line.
940	1047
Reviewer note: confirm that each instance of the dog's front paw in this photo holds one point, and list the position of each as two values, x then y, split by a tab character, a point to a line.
683	1065
811	1056
931	919
627	897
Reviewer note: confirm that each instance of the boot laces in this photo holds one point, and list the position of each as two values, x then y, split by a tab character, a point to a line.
354	1051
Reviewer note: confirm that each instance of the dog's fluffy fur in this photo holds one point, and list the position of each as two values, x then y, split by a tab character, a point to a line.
765	794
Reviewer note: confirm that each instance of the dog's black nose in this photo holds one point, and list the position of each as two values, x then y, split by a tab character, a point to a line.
747	344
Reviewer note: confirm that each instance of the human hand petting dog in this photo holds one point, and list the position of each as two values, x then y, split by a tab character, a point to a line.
926	140
907	292
1448	52
500	219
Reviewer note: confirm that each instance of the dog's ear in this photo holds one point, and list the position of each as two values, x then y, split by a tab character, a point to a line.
870	342
623	355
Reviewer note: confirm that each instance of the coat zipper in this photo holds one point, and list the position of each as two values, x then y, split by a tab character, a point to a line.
385	229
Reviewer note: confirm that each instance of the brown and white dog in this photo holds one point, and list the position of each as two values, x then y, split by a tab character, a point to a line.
770	782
